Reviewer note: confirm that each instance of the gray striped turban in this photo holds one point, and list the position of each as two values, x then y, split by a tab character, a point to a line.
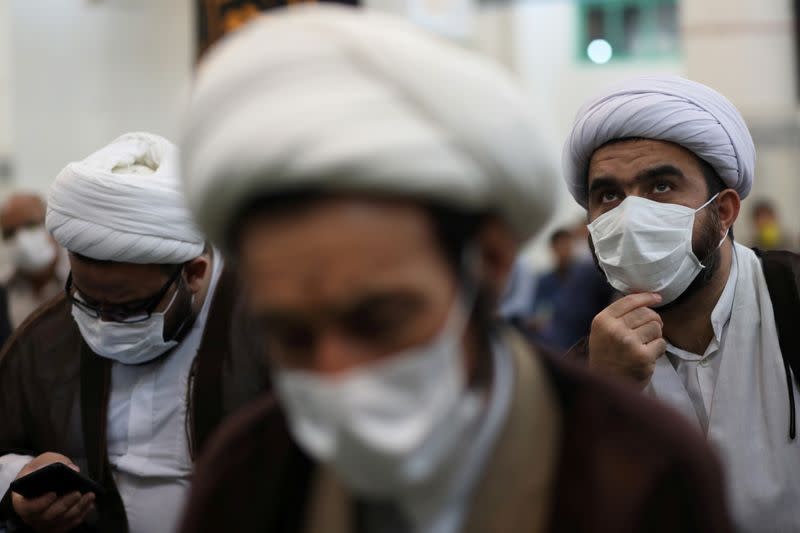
666	108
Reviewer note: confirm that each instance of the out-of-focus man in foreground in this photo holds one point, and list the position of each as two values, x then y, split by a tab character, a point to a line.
373	184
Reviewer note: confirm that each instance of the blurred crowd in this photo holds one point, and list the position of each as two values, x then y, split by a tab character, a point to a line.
310	313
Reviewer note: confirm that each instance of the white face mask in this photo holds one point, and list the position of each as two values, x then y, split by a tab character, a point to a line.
129	344
32	250
388	425
646	246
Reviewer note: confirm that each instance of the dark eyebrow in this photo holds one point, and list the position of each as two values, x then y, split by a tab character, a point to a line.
603	182
400	297
659	172
610	182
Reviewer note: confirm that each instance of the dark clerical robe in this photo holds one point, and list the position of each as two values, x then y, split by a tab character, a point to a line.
54	393
576	453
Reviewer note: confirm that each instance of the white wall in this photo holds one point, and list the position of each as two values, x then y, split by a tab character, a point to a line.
5	82
545	35
745	49
85	71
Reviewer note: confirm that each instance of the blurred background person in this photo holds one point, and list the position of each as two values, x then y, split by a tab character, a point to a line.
767	230
39	264
582	293
374	246
529	300
516	305
550	284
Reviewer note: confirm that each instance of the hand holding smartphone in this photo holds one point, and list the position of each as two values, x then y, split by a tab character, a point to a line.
50	494
57	478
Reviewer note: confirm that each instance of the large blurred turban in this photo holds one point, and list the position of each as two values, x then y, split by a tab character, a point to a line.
329	98
670	109
124	203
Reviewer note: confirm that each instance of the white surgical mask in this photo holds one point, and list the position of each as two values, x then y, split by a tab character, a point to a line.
388	425
32	250
646	246
129	344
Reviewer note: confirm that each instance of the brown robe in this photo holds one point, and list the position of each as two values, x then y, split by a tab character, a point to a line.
580	454
54	392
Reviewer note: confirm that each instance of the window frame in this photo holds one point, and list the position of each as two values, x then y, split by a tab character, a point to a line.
615	32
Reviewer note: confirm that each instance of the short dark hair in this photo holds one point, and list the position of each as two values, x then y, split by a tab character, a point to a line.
167	268
714	183
559	234
763	206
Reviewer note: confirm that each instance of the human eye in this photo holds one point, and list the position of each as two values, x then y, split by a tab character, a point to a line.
662	187
608	197
291	338
382	318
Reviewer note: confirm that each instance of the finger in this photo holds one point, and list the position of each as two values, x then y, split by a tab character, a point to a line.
630	302
641	316
657	348
25	506
44	460
61	506
79	510
649	332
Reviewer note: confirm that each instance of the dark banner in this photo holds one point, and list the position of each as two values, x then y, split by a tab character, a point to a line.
216	18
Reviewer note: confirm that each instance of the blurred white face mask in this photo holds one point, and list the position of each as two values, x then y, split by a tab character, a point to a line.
32	250
646	246
127	343
387	425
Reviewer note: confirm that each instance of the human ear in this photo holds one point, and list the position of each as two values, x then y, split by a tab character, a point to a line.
728	205
498	251
195	272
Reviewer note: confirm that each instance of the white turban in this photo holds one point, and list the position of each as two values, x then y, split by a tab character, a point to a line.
124	203
331	98
667	108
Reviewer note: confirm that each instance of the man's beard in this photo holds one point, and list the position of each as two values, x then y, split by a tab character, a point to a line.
706	249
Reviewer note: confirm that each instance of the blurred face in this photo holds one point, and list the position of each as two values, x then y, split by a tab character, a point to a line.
345	282
563	250
765	217
23	211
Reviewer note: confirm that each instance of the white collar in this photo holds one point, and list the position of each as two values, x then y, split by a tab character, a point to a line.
720	316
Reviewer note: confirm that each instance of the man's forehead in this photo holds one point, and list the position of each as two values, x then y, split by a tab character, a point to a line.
630	156
332	251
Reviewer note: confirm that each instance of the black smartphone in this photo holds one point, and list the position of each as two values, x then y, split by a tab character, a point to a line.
55	477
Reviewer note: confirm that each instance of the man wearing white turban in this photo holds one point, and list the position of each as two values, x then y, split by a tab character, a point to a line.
706	325
125	374
373	184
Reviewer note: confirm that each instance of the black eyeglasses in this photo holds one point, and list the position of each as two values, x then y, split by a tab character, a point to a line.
126	314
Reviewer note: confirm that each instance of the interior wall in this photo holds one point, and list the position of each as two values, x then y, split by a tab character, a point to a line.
545	36
86	71
745	49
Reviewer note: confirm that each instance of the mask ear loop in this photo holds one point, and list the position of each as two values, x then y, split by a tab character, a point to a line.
706	204
722	241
